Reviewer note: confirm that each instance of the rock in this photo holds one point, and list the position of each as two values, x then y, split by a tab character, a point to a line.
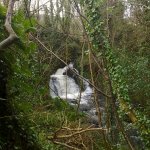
63	85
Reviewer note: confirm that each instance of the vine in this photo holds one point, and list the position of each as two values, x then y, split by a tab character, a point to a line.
95	30
97	33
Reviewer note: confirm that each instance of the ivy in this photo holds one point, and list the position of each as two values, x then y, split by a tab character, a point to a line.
96	32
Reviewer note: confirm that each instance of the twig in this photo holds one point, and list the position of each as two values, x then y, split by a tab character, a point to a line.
91	71
2	99
77	129
78	10
66	145
96	61
81	77
79	132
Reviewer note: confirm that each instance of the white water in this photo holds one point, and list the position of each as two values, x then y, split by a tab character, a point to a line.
65	87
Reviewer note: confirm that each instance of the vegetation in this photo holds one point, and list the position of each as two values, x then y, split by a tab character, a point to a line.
109	43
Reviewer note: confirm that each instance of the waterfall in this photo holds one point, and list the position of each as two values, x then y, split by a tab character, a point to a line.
64	86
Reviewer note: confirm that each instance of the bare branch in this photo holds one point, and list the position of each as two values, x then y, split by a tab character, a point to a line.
66	145
2	99
79	132
12	35
81	77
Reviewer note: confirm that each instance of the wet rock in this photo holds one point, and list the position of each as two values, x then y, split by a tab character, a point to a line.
62	84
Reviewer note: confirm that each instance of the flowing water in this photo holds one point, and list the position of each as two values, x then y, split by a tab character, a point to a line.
65	87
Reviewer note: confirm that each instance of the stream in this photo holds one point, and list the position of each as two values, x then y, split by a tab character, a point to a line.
63	84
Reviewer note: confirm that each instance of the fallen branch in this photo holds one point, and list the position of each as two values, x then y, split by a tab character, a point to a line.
77	129
66	145
78	132
12	35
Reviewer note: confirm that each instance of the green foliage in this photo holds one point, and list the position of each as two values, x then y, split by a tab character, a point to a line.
21	71
122	84
31	29
143	125
2	20
22	26
2	12
45	118
132	46
125	51
99	40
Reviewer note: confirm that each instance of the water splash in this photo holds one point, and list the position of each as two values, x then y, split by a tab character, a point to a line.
65	87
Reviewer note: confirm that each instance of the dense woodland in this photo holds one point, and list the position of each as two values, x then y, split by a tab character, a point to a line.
109	43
